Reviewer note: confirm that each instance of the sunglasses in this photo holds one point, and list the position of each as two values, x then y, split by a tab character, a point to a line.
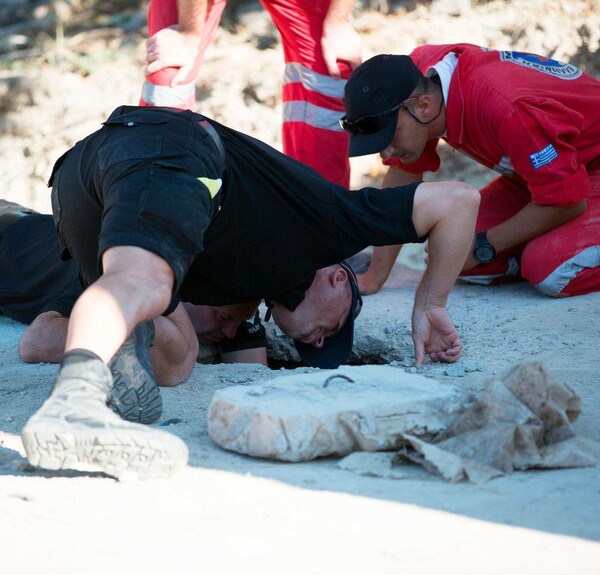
354	287
371	124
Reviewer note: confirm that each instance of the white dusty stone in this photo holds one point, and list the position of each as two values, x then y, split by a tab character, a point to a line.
304	416
455	370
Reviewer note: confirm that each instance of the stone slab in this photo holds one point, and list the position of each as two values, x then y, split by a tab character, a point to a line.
310	415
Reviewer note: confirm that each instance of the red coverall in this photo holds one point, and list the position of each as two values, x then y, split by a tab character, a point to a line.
312	100
537	122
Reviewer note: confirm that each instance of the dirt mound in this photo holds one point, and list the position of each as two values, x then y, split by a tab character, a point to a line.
61	78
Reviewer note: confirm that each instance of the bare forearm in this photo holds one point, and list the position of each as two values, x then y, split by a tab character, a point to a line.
532	221
382	262
340	42
446	212
384	258
44	340
191	15
175	348
339	11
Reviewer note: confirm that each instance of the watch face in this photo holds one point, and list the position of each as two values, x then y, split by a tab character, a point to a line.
485	253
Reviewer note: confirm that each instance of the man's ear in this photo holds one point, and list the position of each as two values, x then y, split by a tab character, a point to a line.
340	276
424	107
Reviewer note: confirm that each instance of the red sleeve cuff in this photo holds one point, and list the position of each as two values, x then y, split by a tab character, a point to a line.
567	192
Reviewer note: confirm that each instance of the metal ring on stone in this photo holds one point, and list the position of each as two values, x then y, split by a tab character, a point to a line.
340	375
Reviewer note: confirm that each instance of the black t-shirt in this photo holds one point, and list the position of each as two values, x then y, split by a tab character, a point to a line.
277	222
33	279
280	221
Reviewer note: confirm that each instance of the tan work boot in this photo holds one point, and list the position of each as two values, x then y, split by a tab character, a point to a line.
74	429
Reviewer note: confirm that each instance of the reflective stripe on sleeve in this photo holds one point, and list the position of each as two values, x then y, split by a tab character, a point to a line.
299	111
512	271
166	96
567	271
320	83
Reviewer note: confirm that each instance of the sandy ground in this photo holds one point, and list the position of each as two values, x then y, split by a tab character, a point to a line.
227	513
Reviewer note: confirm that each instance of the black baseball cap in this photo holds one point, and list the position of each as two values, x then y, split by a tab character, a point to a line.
372	97
336	350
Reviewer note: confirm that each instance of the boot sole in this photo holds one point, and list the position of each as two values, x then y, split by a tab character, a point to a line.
137	404
117	454
130	399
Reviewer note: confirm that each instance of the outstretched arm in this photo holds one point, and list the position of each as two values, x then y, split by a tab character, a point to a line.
446	211
340	41
384	257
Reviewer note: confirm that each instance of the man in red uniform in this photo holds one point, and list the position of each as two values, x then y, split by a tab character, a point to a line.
534	120
320	49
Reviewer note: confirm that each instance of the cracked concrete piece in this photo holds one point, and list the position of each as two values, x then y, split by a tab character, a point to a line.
310	415
450	466
519	422
372	464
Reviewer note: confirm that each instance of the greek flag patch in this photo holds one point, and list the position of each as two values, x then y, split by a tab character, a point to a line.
543	157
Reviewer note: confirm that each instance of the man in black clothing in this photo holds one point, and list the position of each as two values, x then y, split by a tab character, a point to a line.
160	204
33	279
39	289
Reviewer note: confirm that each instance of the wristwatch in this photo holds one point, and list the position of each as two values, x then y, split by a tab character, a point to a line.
484	252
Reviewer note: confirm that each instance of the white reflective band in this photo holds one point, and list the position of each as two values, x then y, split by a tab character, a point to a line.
312	115
567	271
326	85
166	96
512	271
